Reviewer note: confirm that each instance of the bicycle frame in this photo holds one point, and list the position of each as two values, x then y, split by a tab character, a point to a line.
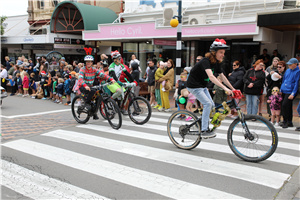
240	114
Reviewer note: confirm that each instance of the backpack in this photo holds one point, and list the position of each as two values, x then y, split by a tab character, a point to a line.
72	83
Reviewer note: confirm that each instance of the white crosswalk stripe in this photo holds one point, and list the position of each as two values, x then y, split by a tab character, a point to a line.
163	185
100	136
33	184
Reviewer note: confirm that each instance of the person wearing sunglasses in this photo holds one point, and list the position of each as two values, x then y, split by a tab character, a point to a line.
254	80
289	89
274	79
198	58
275	104
236	80
115	70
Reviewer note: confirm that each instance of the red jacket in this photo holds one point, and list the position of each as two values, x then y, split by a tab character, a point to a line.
25	82
123	75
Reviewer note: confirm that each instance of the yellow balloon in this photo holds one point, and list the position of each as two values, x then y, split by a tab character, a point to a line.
174	23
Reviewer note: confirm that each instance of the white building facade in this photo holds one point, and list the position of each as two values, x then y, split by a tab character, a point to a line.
146	31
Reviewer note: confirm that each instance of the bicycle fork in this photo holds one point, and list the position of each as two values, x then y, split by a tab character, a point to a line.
247	134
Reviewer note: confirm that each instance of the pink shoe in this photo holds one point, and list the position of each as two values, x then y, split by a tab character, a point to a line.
188	119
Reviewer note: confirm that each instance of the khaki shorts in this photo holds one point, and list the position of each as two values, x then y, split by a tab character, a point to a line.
151	89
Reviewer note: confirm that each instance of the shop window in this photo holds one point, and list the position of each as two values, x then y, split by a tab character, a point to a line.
128	50
148	3
168	1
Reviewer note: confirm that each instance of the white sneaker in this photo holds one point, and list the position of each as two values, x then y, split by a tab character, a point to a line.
60	103
162	109
152	105
23	96
19	94
276	124
168	110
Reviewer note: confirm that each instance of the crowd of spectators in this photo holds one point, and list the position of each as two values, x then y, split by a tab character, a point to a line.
275	84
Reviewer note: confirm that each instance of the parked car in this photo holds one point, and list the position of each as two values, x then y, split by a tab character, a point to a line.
3	93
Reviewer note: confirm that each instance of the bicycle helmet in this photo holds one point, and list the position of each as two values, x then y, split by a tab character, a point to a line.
115	54
218	44
88	56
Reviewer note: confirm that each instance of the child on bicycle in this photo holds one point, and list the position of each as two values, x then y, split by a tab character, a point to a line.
87	75
115	71
201	74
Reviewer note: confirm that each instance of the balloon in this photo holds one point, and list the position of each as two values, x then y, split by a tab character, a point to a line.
182	100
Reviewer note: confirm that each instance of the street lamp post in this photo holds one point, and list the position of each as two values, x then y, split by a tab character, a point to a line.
178	42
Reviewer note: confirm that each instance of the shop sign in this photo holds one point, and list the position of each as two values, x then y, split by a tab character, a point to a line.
3	40
28	39
164	42
68	46
62	40
37	47
15	50
150	30
77	41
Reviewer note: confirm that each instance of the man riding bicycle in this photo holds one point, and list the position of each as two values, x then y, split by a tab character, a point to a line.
203	71
87	75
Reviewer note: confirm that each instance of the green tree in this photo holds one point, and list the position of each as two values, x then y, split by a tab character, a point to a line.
3	18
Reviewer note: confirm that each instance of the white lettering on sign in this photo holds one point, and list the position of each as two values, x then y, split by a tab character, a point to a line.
129	31
202	30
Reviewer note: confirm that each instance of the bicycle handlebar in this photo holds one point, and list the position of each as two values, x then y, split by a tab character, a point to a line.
129	85
99	87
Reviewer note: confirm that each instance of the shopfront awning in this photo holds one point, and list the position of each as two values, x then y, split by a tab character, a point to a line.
284	20
73	17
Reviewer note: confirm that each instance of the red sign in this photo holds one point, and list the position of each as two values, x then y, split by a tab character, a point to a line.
165	42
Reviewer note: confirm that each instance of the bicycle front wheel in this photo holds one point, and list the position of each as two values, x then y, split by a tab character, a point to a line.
112	113
181	135
79	111
262	143
139	110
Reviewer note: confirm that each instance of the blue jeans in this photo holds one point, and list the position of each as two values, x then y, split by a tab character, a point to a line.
298	108
252	104
202	94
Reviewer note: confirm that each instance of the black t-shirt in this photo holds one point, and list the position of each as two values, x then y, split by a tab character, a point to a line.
198	77
264	58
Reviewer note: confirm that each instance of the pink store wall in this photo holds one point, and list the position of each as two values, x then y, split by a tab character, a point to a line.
148	30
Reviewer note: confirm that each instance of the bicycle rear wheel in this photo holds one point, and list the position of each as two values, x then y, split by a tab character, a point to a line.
112	113
139	110
79	112
256	149
182	137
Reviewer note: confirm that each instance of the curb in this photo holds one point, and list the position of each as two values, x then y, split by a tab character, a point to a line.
290	187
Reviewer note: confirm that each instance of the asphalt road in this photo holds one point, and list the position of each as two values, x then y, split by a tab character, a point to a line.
61	159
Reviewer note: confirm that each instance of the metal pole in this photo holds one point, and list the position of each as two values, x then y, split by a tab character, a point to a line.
178	43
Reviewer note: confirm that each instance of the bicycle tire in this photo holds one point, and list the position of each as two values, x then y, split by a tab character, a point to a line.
112	111
177	139
136	111
264	143
77	112
101	110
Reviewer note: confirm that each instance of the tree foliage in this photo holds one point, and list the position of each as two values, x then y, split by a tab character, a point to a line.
3	18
